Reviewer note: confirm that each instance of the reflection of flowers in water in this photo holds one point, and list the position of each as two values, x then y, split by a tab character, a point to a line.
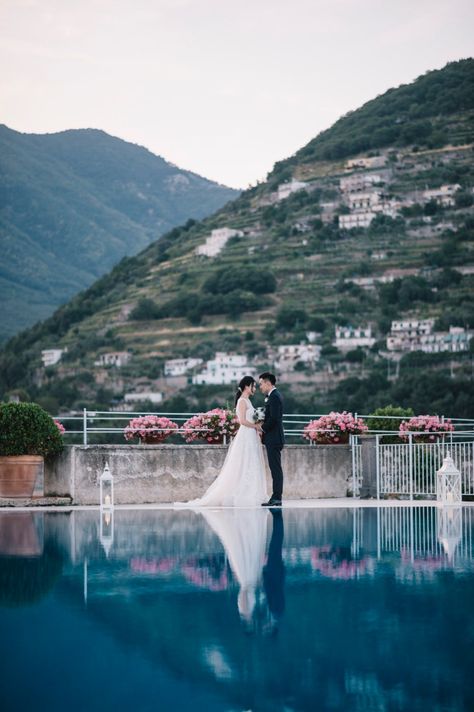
336	562
208	572
152	566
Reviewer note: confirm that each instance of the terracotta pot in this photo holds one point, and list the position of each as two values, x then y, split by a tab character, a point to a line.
18	475
326	440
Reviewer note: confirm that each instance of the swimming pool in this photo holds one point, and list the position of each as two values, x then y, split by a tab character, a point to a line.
306	609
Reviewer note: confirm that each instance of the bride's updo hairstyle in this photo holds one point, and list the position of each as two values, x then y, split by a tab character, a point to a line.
246	381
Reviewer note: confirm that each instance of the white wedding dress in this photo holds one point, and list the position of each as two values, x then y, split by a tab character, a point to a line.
241	481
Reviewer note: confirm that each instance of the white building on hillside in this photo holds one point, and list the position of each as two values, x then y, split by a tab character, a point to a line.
51	357
142	396
284	190
180	366
360	182
113	358
361	218
444	195
224	368
419	336
348	337
290	354
217	241
366	162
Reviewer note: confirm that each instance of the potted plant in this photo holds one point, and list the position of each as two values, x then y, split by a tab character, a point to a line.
428	428
27	435
388	418
334	428
150	429
212	427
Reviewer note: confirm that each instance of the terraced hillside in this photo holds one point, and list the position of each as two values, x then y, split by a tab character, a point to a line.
359	238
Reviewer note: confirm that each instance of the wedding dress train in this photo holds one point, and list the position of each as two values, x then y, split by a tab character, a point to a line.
242	479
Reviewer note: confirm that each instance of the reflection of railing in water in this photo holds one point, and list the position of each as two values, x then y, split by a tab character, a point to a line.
426	531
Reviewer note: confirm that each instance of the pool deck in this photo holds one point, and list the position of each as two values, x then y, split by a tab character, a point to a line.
58	504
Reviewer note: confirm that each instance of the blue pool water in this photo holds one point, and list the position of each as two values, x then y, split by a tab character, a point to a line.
309	609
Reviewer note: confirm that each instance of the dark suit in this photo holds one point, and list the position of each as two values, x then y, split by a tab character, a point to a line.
274	439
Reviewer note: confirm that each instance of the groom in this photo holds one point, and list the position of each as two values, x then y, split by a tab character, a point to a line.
272	434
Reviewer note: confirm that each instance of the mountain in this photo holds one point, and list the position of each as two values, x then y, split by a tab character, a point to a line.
73	204
377	232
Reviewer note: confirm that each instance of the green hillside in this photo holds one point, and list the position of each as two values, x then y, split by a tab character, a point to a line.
73	204
293	267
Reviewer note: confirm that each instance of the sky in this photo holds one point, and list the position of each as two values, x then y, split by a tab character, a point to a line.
224	88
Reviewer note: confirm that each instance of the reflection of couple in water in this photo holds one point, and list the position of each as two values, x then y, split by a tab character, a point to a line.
243	533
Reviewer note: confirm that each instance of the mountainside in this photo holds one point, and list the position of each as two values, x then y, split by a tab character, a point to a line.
73	204
355	240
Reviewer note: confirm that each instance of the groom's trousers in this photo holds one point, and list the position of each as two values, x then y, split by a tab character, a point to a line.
274	460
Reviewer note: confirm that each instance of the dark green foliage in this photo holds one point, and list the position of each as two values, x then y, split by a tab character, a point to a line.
389	418
145	309
244	278
26	429
289	318
404	292
27	579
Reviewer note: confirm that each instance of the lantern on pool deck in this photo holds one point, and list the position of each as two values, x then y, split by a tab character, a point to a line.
106	482
448	482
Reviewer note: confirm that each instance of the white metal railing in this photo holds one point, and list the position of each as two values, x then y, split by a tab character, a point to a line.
409	469
88	423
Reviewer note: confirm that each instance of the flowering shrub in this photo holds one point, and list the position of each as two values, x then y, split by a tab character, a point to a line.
211	426
150	427
432	425
333	428
60	427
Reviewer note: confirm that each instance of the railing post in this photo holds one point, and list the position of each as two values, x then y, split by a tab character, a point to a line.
84	426
410	462
353	440
377	463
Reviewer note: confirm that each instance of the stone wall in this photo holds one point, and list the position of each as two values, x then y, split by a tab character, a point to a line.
168	473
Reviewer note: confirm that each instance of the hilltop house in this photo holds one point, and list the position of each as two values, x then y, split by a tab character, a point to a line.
284	190
223	369
290	354
51	357
444	195
348	337
113	358
217	241
180	366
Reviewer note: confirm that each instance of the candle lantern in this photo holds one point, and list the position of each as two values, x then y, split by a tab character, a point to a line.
448	483
106	482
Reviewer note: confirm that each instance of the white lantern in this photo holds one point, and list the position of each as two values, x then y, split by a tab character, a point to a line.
448	482
107	529
106	482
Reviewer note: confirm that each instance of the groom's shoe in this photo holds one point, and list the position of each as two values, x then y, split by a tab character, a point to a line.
272	502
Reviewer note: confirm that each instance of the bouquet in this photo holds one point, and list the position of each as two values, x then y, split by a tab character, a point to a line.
150	428
334	428
428	427
212	426
259	415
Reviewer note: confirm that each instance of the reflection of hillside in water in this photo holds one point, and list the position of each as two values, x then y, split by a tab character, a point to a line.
343	638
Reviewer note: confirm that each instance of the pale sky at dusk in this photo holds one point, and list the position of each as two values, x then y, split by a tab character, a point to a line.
221	87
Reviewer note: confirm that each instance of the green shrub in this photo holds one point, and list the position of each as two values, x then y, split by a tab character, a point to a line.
387	423
27	429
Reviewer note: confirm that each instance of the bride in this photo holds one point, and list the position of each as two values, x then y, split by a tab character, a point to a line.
241	481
